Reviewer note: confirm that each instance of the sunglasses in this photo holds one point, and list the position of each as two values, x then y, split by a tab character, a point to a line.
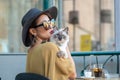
47	24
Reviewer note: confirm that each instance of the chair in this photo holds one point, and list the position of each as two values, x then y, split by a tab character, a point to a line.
30	76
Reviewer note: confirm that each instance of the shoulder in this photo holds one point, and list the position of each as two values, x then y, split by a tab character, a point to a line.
49	49
50	45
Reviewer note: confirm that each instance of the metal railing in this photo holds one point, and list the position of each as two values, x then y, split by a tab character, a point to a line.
98	53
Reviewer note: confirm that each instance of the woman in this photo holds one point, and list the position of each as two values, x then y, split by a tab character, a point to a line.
42	54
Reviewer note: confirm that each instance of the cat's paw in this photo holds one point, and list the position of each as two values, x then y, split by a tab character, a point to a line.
61	54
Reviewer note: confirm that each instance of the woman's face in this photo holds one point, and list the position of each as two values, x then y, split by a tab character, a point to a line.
41	32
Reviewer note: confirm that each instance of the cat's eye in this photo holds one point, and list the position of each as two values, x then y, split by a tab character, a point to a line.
55	36
63	36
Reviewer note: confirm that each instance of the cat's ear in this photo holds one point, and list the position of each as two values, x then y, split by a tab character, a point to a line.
66	29
55	28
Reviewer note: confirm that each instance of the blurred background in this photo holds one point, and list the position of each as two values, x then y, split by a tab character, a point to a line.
93	28
91	23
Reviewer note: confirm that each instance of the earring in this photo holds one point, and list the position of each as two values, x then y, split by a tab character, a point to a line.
33	39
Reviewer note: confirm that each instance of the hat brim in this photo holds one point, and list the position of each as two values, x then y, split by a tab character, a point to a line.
25	32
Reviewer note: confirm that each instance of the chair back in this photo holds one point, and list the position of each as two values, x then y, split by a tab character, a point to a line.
30	76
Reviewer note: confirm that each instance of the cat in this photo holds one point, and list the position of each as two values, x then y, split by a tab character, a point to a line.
61	38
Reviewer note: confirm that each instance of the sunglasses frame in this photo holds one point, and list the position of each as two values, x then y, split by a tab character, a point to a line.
47	24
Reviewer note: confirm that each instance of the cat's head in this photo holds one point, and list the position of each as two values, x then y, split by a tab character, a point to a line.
60	36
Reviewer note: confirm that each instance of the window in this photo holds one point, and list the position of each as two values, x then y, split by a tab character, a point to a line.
11	13
95	29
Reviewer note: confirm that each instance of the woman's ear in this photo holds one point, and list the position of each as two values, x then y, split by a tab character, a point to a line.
32	31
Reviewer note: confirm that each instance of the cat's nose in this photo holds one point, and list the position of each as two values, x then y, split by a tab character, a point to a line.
60	38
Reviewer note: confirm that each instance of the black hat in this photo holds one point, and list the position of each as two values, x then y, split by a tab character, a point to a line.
31	16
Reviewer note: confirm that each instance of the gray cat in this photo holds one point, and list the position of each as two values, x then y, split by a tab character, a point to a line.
61	38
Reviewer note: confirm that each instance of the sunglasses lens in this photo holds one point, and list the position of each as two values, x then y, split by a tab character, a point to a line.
49	24
52	23
45	25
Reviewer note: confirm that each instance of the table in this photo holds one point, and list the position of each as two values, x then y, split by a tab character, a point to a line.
97	79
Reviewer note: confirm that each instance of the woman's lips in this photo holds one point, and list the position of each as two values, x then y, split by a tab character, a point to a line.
51	32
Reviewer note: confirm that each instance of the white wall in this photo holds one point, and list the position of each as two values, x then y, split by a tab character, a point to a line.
11	65
117	24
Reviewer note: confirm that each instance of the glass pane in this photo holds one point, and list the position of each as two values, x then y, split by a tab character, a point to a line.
11	13
91	24
92	28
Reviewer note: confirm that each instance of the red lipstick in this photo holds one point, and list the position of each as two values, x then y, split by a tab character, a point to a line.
51	32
